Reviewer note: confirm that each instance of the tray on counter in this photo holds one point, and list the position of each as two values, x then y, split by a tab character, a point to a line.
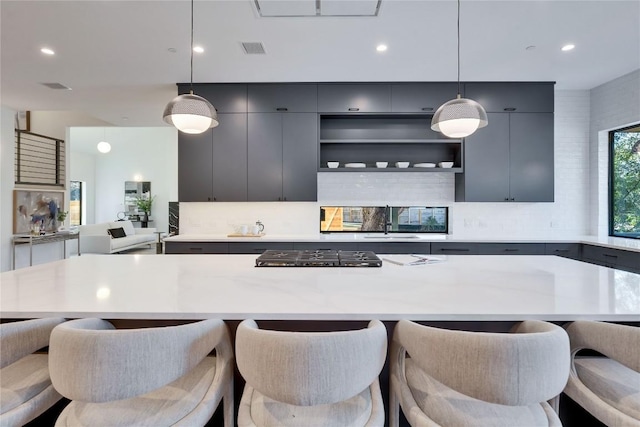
245	235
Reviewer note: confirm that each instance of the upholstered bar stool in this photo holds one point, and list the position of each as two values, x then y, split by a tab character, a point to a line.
25	386
142	377
607	387
311	378
460	378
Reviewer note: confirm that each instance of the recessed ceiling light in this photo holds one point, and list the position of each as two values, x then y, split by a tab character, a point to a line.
172	49
568	47
104	147
198	49
47	51
381	47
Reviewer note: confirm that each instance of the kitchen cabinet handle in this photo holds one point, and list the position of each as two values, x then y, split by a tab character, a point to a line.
427	108
195	249
510	109
208	199
513	199
354	109
610	256
506	199
282	109
454	250
511	250
561	250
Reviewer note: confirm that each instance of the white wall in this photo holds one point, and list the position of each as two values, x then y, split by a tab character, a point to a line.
614	105
151	153
568	215
55	123
6	185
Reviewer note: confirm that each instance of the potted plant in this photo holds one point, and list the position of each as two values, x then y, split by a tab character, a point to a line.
144	204
61	217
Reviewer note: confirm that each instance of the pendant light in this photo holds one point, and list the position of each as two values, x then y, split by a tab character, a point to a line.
191	113
459	117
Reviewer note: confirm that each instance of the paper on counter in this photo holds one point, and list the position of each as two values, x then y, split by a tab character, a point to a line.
410	260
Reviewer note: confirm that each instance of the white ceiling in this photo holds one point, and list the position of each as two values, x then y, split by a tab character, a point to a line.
115	57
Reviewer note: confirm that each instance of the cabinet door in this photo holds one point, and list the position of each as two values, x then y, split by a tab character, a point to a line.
272	98
511	249
265	156
225	97
451	248
531	150
363	98
230	158
512	97
195	171
258	247
486	163
300	156
566	250
421	97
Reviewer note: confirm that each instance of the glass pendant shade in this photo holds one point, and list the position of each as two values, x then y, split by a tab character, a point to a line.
191	113
459	118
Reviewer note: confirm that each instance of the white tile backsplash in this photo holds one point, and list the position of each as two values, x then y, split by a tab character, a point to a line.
568	215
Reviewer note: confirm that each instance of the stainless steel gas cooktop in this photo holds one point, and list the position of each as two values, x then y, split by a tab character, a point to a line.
319	258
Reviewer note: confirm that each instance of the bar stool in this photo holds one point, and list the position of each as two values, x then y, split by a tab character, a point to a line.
134	377
459	378
311	378
25	386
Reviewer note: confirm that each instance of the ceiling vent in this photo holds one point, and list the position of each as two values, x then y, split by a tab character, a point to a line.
56	86
253	48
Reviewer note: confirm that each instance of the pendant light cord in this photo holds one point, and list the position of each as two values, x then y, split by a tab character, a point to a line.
458	48
191	78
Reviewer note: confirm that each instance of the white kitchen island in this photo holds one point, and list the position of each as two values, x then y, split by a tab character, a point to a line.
230	287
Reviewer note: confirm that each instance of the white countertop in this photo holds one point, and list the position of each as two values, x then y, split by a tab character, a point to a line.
611	242
466	287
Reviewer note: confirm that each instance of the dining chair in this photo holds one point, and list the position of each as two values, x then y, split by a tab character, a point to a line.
161	376
25	387
607	385
311	378
444	377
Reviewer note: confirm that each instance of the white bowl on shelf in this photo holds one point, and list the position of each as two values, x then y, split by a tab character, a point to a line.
402	164
355	165
424	165
445	164
382	164
333	165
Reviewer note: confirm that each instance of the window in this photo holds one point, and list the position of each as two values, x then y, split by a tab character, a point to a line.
624	182
76	188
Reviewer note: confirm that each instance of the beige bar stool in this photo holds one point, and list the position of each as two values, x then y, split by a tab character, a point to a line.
311	378
459	378
607	387
25	386
142	377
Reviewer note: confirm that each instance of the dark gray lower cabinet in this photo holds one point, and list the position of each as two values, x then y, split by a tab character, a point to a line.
396	247
328	245
282	156
196	247
613	258
258	247
566	250
453	248
511	249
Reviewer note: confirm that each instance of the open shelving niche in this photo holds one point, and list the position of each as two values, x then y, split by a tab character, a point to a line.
371	138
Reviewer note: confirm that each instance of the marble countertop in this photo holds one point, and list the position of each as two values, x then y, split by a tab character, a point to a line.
611	242
230	287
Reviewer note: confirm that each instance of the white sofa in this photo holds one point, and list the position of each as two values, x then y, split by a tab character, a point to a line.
95	238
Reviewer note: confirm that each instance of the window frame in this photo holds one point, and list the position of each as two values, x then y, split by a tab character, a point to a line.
612	180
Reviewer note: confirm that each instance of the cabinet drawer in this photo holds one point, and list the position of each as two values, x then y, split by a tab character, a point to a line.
454	248
274	98
257	247
512	97
335	246
396	247
566	250
195	247
359	98
611	257
421	97
226	98
511	249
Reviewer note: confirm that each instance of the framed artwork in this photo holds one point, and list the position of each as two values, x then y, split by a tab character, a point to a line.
36	207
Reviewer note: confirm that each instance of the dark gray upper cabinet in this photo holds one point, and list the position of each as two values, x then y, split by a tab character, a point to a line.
300	156
531	157
421	97
225	97
512	96
282	158
195	173
212	166
230	158
510	160
276	97
359	98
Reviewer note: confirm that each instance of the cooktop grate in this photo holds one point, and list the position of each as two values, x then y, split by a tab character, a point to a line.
318	258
